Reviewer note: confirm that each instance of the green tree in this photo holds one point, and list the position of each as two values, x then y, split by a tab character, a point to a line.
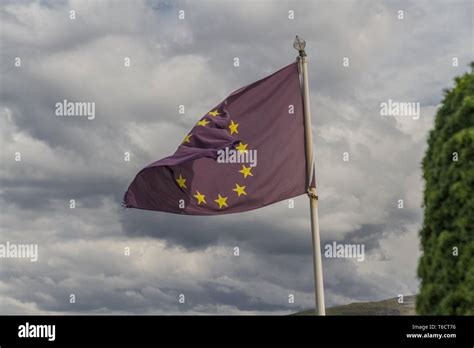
446	267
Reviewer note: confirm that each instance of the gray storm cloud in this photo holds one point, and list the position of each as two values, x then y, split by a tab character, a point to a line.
190	62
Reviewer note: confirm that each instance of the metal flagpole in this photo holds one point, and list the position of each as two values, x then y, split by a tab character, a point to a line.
300	45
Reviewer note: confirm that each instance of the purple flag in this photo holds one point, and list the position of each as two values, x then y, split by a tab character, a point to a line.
246	153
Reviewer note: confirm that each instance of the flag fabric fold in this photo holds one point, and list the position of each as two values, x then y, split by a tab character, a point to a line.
246	153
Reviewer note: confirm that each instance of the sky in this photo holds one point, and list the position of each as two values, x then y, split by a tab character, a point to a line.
84	251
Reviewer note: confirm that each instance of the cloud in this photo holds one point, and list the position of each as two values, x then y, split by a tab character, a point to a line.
190	62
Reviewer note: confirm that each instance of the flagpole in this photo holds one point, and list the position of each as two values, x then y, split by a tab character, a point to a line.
300	44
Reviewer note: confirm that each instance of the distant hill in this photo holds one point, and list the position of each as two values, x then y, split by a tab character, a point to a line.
385	307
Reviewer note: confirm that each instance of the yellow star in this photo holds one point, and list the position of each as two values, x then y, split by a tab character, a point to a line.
242	147
213	113
246	171
222	201
239	190
181	181
233	127
203	122
200	198
187	138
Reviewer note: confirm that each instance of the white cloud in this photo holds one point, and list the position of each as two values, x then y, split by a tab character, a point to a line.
189	62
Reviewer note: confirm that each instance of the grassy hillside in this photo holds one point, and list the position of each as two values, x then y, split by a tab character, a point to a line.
385	307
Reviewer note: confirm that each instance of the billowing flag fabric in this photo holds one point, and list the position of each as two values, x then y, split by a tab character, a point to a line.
245	153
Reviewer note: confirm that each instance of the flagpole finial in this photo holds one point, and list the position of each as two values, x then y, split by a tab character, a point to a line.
300	45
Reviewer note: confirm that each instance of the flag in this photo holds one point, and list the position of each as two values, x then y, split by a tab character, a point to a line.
245	153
